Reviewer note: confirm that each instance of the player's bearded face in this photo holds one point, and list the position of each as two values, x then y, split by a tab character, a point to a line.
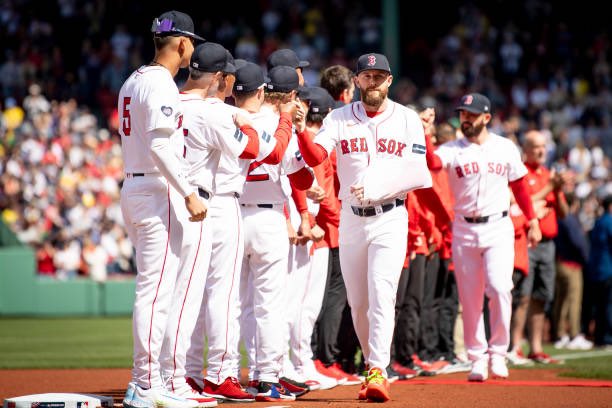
374	96
471	129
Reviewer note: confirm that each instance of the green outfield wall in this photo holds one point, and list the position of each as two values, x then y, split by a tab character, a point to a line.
23	293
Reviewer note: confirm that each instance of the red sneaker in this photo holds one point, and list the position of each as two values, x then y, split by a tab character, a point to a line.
350	378
362	392
193	384
542	358
228	390
296	388
404	372
378	387
329	373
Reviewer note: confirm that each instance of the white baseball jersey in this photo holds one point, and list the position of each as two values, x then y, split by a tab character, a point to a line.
479	174
232	172
210	133
385	154
263	181
148	100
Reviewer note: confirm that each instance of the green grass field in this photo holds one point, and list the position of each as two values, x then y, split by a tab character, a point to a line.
107	343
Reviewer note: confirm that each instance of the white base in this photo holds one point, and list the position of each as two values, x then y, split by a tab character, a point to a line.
59	400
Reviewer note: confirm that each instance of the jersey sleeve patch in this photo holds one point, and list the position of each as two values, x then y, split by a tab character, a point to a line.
418	149
166	110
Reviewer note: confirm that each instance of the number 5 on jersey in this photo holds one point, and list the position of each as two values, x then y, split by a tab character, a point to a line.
126	124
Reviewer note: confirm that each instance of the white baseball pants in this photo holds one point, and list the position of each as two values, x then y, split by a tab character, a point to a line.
264	273
483	255
218	316
372	253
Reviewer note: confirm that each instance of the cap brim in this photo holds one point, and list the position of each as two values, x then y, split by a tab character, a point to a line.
373	69
229	68
303	64
198	38
471	110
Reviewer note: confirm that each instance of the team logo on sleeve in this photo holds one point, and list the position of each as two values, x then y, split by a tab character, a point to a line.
418	149
167	110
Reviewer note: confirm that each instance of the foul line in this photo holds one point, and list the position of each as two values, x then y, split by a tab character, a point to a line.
583	354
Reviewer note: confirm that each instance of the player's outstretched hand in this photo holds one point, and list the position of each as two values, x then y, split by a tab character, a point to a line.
428	116
289	107
299	119
196	207
241	120
316	193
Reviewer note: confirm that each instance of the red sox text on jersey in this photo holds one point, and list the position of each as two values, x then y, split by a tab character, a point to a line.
383	145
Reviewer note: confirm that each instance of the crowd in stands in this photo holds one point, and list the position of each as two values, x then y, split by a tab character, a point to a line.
63	62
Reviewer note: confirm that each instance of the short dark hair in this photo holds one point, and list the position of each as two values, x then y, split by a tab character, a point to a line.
161	42
336	79
240	96
313	117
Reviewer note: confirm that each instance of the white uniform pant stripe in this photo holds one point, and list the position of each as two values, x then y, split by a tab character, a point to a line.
481	271
372	252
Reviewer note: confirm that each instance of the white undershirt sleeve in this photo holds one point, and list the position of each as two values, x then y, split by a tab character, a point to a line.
167	162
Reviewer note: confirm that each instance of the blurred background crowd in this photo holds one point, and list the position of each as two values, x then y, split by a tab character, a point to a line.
63	61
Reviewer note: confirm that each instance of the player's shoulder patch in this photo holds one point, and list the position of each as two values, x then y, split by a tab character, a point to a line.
418	148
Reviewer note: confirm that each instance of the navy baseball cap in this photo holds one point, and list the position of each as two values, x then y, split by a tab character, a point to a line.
285	57
475	103
283	79
249	77
174	23
212	57
239	63
320	100
373	61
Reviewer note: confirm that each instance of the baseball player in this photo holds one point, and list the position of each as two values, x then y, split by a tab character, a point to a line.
157	201
223	280
211	129
264	269
480	168
308	263
381	156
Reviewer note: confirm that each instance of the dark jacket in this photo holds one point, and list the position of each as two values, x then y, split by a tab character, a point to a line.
600	257
571	242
